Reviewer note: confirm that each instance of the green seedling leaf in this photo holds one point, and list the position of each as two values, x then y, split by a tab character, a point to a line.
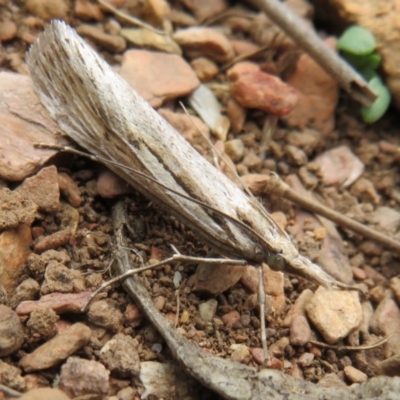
357	40
380	105
369	62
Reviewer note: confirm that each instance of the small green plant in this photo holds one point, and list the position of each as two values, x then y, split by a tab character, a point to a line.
358	47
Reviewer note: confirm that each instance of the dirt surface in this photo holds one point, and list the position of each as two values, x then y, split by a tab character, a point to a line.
71	248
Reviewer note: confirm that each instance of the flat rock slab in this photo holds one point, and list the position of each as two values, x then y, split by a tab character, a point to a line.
57	349
334	313
158	77
24	121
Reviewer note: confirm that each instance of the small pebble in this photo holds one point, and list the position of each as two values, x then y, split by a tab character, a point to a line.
11	333
208	309
354	375
79	377
306	359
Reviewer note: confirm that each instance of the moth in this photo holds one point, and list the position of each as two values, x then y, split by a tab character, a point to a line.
99	111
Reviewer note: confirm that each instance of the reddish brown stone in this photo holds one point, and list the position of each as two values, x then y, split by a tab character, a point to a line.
264	92
53	241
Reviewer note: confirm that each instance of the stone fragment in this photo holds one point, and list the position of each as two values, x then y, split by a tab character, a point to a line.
386	321
59	302
235	149
208	309
86	10
15	209
252	161
231	318
158	77
10	376
36	264
236	114
103	314
69	189
42	189
263	92
80	378
59	278
258	355
204	68
142	37
242	68
300	331
110	185
11	333
309	140
8	31
14	250
216	280
334	313
277	349
365	191
390	366
48	9
240	352
395	286
318	96
386	218
339	166
299	307
53	241
354	375
57	349
204	9
44	394
295	155
204	42
120	355
306	359
331	380
112	43
133	315
25	291
42	324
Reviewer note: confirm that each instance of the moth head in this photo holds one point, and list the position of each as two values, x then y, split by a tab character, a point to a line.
276	262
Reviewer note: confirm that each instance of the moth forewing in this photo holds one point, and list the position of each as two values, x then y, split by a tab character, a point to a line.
99	110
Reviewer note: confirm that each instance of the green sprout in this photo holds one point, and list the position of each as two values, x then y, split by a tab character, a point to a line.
358	47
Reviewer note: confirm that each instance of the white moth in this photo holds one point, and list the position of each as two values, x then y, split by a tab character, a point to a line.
98	110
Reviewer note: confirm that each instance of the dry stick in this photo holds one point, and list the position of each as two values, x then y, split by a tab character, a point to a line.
130	18
352	348
276	187
307	38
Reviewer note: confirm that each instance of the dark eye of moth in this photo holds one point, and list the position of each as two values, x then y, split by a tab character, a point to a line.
276	262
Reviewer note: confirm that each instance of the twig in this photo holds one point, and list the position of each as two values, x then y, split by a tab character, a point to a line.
130	18
305	37
352	348
276	187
